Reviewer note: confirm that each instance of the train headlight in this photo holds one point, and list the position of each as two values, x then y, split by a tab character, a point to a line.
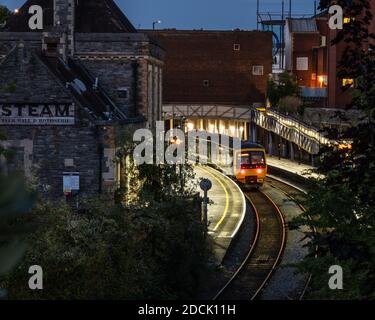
259	171
243	171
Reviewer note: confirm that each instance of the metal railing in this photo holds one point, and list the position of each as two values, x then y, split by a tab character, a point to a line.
316	93
292	129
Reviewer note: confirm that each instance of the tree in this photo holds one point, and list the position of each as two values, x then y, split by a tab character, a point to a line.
5	13
342	203
284	87
290	105
150	244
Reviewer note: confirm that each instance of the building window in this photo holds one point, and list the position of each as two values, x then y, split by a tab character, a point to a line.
123	93
206	83
323	41
348	19
302	64
322	81
258	70
348	83
236	47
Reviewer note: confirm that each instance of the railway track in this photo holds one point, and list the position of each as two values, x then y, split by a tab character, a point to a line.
265	254
297	195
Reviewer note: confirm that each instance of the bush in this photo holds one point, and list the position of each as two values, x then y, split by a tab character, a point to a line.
111	252
290	105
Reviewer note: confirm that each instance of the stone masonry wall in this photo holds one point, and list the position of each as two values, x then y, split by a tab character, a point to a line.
114	76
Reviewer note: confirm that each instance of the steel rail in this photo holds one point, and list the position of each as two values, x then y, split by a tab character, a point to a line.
300	191
265	253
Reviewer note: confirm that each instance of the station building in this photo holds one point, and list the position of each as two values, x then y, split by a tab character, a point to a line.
213	78
66	90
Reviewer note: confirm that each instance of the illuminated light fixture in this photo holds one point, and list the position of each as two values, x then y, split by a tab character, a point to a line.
263	109
16	11
347	20
344	146
321	80
259	171
347	82
155	23
243	171
190	126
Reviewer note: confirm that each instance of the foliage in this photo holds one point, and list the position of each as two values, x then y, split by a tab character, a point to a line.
111	252
150	244
286	86
342	204
290	105
5	13
10	87
15	200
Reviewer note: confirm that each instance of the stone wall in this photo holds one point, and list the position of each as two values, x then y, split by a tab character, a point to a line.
50	151
116	77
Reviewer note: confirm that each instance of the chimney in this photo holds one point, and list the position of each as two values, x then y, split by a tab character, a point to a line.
59	41
64	18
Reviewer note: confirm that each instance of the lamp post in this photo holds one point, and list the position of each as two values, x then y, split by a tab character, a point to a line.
155	23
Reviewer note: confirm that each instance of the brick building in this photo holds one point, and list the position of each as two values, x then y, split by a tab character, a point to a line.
65	89
314	61
212	78
215	67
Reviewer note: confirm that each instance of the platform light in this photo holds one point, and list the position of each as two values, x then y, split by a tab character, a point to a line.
345	146
321	81
190	126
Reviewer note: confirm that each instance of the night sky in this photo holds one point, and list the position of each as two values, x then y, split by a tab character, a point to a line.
197	14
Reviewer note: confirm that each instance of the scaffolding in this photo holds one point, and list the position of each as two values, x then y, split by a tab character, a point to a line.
275	23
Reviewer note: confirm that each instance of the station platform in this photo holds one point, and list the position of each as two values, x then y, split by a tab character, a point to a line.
290	167
226	211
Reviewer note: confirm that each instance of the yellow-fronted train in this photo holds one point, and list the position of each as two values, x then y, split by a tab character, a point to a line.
250	164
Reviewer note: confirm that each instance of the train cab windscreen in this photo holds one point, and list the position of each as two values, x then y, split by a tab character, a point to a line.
252	159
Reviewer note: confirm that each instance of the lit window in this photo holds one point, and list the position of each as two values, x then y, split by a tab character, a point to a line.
348	83
258	70
322	80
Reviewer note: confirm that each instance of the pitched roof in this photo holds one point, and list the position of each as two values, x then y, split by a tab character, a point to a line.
101	16
20	22
97	16
302	25
66	80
